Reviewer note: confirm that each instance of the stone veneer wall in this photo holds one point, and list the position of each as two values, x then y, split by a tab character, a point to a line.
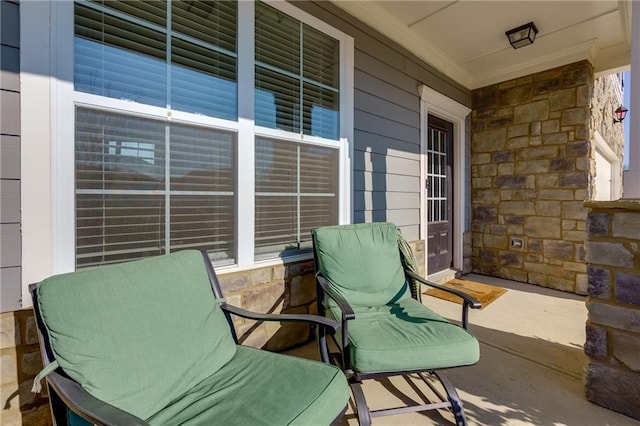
19	363
530	159
286	288
613	327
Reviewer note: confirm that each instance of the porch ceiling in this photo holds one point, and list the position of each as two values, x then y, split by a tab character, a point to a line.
465	39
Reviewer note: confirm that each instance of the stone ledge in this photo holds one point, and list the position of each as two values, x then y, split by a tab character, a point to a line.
633	205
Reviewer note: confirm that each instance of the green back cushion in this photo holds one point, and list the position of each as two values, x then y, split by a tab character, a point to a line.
362	261
139	334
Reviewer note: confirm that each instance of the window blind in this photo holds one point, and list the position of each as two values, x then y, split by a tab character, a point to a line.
126	205
296	191
297	75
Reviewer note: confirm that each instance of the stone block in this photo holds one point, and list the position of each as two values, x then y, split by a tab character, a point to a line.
574	210
536	153
562	99
266	298
518	143
563	164
506	169
260	276
535	245
518	130
609	254
9	331
489	140
8	367
498	229
514	274
544	268
596	342
626	349
548	208
581	284
598	224
546	86
542	227
599	282
536	128
516	208
299	268
547	181
532	167
481	182
558	249
626	225
577	74
550	126
508	258
613	388
303	290
573	235
502	157
577	149
488	255
515	95
487	170
574	179
524	195
583	95
31	363
628	289
555	138
537	278
533	111
500	122
232	283
485	214
514	182
615	316
495	241
279	273
583	163
481	158
562	284
485	196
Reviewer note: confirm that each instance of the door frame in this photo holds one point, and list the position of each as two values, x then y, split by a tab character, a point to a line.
437	104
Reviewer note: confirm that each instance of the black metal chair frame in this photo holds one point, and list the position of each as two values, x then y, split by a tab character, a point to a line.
340	358
64	392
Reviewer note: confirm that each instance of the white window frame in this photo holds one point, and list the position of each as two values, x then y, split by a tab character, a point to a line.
48	102
607	153
437	104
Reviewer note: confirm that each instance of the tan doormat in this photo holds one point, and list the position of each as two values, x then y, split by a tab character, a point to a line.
484	293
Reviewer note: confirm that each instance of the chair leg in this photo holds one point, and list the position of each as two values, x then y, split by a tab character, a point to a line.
454	399
362	409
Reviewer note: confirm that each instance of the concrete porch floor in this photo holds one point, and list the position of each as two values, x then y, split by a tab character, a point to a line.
530	370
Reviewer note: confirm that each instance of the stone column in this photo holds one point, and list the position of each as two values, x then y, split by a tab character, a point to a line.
632	176
613	328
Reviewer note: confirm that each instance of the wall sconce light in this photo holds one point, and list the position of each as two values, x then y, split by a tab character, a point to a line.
620	113
522	36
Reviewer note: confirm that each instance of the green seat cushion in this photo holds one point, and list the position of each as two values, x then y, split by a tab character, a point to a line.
261	388
137	335
362	262
405	336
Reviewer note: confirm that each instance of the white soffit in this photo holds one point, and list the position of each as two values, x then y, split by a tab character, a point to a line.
465	39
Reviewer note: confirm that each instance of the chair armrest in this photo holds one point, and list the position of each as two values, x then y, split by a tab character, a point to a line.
326	323
467	301
87	406
347	310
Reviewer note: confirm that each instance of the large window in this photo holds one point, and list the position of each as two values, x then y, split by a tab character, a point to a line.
161	134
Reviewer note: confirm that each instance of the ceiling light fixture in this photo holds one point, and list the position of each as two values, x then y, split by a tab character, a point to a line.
620	113
522	36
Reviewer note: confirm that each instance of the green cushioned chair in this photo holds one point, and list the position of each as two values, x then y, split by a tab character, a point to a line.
363	282
152	342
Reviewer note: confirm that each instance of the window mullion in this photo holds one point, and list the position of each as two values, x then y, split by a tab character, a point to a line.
245	174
